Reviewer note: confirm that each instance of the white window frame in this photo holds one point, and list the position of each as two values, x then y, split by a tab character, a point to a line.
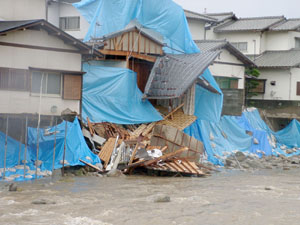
46	94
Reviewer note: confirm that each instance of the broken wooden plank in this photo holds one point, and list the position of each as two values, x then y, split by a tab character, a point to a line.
166	156
90	126
91	165
107	150
133	154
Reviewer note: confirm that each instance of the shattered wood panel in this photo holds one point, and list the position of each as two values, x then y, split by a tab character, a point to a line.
178	166
179	120
133	41
107	150
175	139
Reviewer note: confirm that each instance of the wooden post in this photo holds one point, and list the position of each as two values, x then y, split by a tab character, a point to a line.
20	144
38	127
54	147
65	143
25	152
5	148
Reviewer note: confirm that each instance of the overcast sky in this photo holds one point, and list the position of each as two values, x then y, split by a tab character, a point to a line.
245	8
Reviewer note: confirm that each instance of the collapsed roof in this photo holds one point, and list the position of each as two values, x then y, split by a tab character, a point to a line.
172	75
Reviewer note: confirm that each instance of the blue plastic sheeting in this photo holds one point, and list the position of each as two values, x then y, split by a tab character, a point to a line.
167	18
111	95
208	105
220	139
260	135
15	151
290	135
76	147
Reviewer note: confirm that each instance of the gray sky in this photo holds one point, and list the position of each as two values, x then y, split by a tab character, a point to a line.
245	8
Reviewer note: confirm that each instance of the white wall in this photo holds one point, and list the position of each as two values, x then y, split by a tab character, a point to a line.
24	102
232	71
197	29
22	58
280	91
252	38
66	10
295	78
22	9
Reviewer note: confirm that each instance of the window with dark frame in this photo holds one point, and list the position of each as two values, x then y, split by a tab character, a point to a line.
227	82
69	23
51	82
260	88
298	88
14	79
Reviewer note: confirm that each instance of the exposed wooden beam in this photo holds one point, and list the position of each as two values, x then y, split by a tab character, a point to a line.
40	47
126	53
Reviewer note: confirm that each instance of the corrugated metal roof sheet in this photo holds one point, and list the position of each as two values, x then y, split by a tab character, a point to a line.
289	58
172	75
11	25
290	24
198	16
249	24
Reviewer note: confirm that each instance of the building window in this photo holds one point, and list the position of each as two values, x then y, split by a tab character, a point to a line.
69	23
260	88
14	79
51	83
297	42
227	82
298	88
242	46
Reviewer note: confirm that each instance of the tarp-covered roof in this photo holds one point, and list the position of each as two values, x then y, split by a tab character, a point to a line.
172	75
166	17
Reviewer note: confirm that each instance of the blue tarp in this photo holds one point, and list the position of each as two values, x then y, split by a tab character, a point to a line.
15	151
167	18
290	135
208	105
228	135
76	148
111	95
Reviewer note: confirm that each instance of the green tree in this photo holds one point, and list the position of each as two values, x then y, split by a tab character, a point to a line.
251	82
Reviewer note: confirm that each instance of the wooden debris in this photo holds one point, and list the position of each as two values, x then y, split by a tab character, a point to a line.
91	165
90	126
107	150
164	135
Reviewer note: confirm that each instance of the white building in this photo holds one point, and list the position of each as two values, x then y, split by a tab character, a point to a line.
273	43
37	57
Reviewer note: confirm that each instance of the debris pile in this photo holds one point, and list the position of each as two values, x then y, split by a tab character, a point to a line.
240	160
154	149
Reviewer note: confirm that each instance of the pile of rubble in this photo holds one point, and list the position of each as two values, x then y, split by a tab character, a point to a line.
239	160
155	148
